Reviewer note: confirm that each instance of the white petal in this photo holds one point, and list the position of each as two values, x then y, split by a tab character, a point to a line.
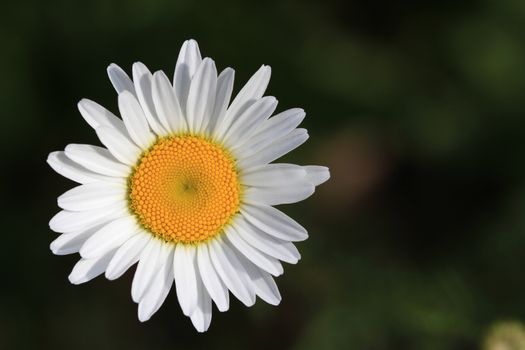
135	120
279	195
92	196
109	237
272	129
127	255
69	243
201	315
187	63
151	259
260	259
275	150
184	268
119	79
274	175
97	159
158	289
230	270
211	280
201	96
96	115
251	92
119	145
274	222
222	98
317	174
70	221
166	104
60	163
99	117
87	269
277	248
143	81
263	284
246	124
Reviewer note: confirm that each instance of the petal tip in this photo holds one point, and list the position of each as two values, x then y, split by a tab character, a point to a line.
51	157
110	276
143	316
113	66
53	247
200	325
222	308
74	279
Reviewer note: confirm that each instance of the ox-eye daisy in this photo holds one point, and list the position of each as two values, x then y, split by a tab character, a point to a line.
184	187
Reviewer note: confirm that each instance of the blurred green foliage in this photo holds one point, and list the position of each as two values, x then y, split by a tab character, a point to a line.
416	106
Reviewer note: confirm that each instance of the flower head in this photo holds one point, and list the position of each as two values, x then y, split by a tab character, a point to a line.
185	187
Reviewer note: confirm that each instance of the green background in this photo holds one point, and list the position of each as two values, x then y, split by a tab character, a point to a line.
417	107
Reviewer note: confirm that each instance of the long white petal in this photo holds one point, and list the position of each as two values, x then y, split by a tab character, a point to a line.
257	257
87	269
119	145
150	260
70	221
317	174
97	116
248	122
275	150
184	268
272	129
119	79
274	175
230	270
69	243
274	222
127	255
158	289
279	195
270	245
187	63
263	284
143	81
211	280
97	159
166	104
135	120
222	98
92	196
201	96
201	315
251	92
100	118
63	165
109	237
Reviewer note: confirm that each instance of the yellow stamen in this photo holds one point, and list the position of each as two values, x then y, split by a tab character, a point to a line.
185	189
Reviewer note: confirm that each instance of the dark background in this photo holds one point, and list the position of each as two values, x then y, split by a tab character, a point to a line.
417	107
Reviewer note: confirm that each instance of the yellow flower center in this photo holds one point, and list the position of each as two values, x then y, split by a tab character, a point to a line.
185	189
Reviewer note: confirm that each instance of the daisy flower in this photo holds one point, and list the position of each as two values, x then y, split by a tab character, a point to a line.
184	186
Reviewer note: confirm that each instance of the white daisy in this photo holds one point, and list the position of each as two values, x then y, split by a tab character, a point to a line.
185	188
